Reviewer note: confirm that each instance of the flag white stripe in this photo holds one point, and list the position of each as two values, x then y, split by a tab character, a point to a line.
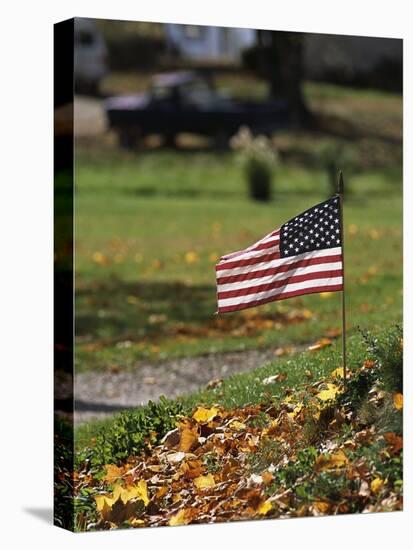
280	276
287	288
279	262
245	254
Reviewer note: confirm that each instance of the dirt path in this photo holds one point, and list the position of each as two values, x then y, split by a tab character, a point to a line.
98	394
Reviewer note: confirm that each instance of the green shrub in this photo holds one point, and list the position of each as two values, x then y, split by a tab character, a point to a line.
357	389
258	159
132	431
387	351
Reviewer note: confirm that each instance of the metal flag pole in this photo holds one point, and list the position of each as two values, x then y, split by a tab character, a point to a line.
340	192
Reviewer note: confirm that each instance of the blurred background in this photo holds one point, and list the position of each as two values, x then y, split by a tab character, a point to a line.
195	141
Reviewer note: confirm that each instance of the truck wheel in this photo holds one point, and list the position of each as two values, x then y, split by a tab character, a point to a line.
221	140
169	140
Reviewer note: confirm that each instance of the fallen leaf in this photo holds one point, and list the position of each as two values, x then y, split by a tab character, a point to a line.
280	377
267	477
331	461
172	438
376	485
320	344
296	411
137	491
181	518
338	373
189	437
112	473
215	383
398	401
394	442
203	482
100	258
191	257
364	490
333	332
321	506
329	393
173	458
202	414
265	507
237	425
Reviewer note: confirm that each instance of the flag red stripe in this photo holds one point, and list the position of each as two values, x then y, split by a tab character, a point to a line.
269	241
277	284
248	261
282	296
274	270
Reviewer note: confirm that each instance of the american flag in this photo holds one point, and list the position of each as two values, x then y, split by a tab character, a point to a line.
303	256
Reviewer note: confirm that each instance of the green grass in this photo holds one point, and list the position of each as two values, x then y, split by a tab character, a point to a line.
127	431
150	226
149	230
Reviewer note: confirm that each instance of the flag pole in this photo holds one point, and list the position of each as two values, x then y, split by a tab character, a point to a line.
340	192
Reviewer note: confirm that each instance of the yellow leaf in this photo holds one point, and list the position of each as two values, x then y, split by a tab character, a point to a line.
296	410
398	401
236	425
205	415
139	491
326	295
331	461
321	506
264	508
112	473
329	393
203	482
191	257
102	501
376	485
100	258
179	519
338	373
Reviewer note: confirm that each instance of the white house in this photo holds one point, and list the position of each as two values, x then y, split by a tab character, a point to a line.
202	42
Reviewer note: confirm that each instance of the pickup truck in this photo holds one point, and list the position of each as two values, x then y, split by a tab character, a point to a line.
187	101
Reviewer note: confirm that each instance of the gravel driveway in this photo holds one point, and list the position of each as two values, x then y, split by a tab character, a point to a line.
98	394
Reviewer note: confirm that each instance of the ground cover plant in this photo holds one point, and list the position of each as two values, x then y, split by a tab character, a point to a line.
289	449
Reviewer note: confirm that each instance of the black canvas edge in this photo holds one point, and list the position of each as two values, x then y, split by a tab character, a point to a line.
63	157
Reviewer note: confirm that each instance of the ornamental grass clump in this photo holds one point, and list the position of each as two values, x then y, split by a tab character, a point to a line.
258	159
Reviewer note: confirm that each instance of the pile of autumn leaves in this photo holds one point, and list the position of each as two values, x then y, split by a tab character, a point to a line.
208	470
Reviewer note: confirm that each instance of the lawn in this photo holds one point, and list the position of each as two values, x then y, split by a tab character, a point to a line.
151	226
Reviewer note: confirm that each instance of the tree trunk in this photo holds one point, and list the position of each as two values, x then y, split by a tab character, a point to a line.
286	80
